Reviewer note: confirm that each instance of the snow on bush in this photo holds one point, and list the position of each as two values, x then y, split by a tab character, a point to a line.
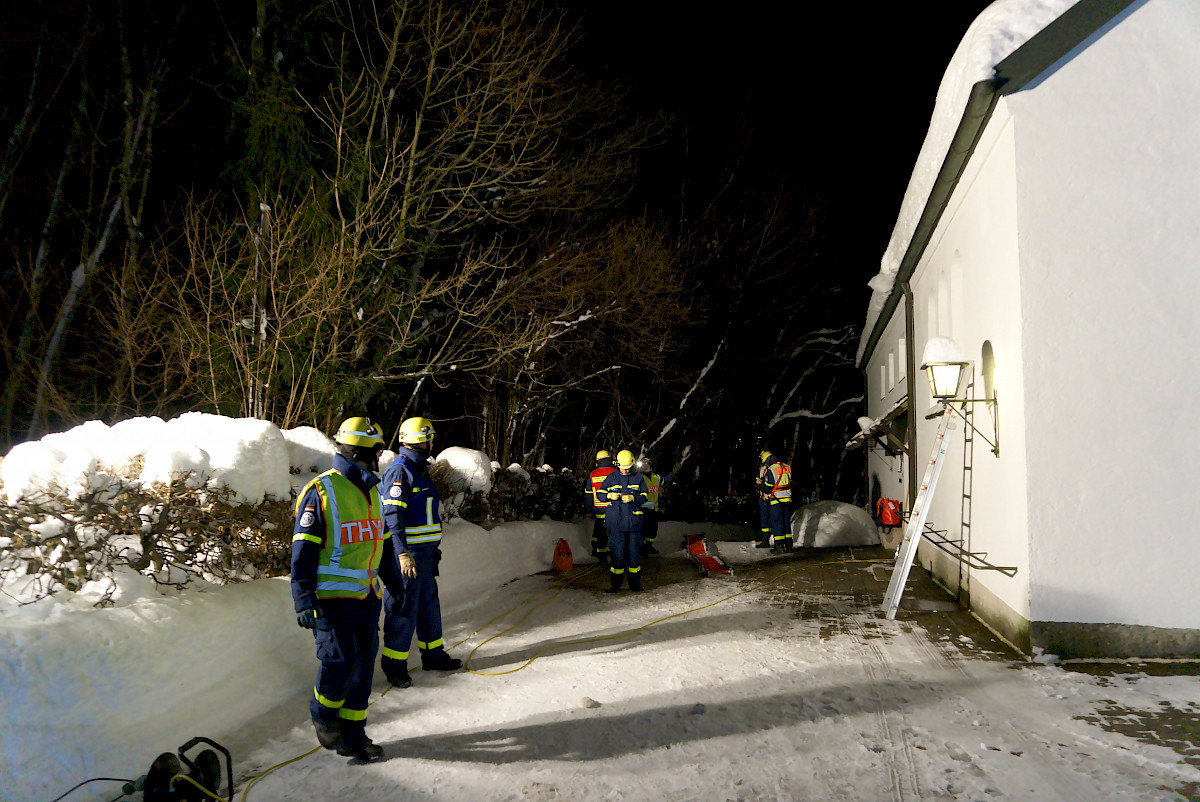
464	469
824	524
203	498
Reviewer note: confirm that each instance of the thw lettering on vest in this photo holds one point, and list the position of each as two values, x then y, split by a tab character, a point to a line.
361	531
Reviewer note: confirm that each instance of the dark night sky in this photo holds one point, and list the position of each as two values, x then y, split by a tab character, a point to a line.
839	95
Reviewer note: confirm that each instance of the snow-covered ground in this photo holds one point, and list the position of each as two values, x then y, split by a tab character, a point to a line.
704	689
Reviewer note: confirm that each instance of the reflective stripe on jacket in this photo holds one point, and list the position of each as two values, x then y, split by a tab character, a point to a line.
348	565
623	516
653	488
598	503
411	505
777	480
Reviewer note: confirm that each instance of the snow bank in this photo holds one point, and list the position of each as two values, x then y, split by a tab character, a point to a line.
206	662
824	524
250	457
99	692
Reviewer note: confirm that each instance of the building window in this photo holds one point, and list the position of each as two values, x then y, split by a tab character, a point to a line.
883	388
891	371
902	370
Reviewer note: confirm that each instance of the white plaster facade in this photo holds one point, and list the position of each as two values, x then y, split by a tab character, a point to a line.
1070	249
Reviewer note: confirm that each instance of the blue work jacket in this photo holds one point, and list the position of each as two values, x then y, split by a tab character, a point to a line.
410	501
623	516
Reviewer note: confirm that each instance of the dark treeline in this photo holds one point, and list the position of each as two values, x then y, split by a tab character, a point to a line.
304	211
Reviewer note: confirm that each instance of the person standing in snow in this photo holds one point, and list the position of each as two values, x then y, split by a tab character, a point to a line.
625	492
411	514
654	484
594	501
340	555
775	494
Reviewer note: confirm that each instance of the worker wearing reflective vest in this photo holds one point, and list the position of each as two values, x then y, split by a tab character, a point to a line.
340	555
650	508
775	490
625	491
413	519
598	504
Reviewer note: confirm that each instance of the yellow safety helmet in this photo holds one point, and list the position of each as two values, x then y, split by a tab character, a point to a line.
359	431
625	459
416	430
602	454
766	455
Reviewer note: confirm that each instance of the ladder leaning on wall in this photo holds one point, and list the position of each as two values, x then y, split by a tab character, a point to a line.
907	552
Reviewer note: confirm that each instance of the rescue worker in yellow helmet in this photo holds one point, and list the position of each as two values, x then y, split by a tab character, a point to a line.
597	504
764	504
775	488
625	491
654	486
340	555
411	511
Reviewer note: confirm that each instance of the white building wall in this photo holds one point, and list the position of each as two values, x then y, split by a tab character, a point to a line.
886	385
967	283
1108	192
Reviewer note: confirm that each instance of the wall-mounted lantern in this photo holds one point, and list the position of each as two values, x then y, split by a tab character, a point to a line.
948	371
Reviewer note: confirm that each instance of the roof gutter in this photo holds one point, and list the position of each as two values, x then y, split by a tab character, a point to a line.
1014	73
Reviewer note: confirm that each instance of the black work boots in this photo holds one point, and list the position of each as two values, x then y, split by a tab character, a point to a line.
438	660
329	735
362	748
400	678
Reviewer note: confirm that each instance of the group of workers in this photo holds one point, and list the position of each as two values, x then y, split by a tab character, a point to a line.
362	544
357	548
624	501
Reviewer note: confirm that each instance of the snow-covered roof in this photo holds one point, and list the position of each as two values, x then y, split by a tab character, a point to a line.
999	30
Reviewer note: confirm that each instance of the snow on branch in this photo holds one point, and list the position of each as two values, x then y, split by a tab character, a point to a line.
808	413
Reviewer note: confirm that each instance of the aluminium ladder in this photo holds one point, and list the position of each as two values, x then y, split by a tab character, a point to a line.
907	552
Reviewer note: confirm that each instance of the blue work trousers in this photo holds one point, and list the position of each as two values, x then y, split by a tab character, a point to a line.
347	638
599	539
764	521
781	524
649	526
419	611
625	557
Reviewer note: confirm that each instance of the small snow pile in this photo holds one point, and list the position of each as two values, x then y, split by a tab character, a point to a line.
942	349
465	469
866	424
519	471
824	524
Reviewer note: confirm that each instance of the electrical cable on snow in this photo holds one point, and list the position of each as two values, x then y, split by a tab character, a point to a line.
561	585
620	635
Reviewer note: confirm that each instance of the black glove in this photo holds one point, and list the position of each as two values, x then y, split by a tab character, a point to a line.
309	616
437	559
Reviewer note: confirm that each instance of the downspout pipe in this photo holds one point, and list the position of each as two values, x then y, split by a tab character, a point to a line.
910	362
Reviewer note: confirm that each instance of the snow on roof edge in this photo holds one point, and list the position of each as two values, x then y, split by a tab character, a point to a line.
999	29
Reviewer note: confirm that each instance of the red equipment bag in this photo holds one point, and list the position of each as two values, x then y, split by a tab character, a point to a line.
889	511
563	561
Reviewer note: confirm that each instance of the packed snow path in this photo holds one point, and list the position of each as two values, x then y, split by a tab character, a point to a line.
791	690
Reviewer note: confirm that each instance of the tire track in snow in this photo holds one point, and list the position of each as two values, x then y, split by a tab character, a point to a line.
892	724
1065	785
